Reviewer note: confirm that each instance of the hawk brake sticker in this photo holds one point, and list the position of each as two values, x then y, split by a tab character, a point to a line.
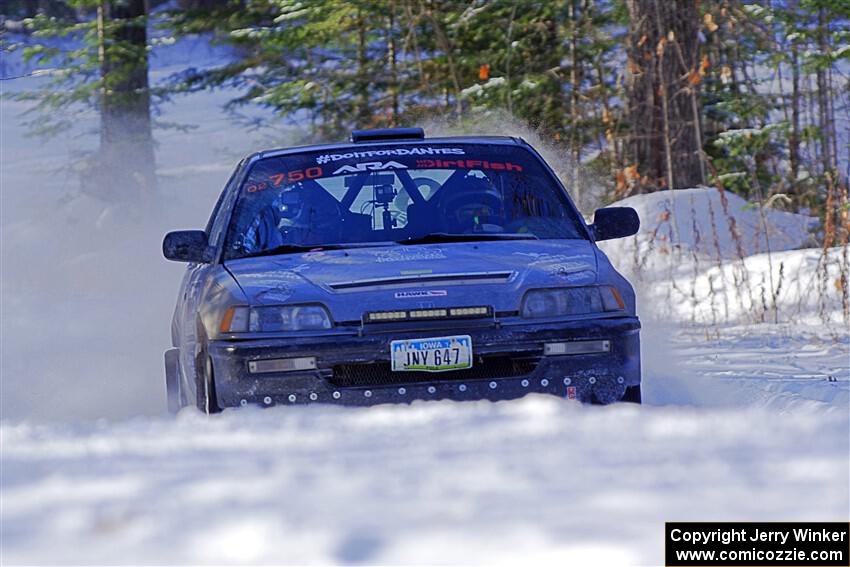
421	293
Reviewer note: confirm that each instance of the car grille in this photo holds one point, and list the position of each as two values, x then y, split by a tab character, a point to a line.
381	374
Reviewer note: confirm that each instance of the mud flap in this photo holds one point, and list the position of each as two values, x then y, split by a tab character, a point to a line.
632	395
172	380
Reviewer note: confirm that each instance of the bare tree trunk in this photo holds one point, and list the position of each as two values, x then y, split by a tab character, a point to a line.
823	99
794	139
664	140
363	113
575	138
392	56
126	138
510	100
447	48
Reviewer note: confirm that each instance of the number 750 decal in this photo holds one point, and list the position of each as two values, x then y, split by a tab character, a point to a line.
285	176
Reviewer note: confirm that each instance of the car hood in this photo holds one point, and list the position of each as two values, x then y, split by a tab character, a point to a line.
356	280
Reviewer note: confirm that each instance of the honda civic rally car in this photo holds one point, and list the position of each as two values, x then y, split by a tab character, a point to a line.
397	268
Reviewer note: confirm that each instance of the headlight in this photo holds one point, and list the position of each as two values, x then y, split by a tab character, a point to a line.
269	319
559	302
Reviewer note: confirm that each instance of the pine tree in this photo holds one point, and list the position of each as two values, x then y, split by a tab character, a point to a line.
106	68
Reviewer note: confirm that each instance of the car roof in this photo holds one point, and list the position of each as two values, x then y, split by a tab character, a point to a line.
498	140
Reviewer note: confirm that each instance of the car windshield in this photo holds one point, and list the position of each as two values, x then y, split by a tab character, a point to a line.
408	193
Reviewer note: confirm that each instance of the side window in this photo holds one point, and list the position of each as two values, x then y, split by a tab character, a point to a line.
218	220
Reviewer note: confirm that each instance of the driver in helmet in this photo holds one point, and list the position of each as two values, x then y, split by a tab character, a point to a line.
474	205
286	220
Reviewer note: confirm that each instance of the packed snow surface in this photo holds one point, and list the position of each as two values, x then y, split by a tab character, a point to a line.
744	418
749	425
538	480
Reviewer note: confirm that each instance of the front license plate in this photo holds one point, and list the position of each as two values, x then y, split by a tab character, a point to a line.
437	354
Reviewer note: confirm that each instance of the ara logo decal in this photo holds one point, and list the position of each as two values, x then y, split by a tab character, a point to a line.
369	166
421	293
571	392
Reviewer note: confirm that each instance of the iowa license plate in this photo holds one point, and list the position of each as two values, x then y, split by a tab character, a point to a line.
437	354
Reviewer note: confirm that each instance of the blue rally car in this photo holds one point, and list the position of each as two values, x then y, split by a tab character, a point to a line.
396	268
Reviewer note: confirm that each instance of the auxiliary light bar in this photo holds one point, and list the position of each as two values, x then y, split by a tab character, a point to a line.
437	313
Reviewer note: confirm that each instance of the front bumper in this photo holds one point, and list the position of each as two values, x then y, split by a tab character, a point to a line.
598	377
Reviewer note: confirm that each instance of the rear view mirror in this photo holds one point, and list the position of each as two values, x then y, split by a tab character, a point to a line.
614	222
186	246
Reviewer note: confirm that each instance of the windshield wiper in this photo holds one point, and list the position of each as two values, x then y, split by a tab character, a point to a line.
439	237
300	248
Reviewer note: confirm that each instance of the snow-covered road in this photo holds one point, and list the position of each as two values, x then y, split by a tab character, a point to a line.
539	479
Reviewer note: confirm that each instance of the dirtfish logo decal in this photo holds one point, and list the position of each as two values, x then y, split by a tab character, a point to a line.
369	166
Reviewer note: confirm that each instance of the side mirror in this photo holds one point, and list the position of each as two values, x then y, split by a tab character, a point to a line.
186	246
614	222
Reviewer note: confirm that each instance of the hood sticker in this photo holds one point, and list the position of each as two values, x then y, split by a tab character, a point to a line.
281	293
409	255
419	293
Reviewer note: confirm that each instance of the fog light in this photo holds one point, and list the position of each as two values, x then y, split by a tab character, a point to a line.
282	365
336	395
267	400
544	382
292	398
313	396
576	347
431	389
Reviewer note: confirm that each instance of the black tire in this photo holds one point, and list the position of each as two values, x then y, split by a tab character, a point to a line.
173	392
632	395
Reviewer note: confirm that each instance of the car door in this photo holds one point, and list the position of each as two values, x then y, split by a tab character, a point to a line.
194	284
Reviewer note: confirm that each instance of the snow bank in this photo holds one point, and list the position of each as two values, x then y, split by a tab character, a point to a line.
796	285
700	260
706	224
